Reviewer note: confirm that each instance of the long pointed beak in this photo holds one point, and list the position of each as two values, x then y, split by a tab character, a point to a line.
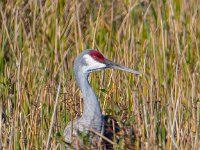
110	64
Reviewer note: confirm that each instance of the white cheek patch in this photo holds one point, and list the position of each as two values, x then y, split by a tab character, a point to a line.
92	64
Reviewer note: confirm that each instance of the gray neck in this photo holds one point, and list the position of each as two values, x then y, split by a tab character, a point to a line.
92	115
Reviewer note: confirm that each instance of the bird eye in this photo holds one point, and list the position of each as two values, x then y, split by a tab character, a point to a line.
97	56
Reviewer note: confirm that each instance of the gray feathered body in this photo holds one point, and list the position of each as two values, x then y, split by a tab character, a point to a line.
92	119
92	116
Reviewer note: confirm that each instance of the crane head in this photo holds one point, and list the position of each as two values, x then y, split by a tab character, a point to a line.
93	60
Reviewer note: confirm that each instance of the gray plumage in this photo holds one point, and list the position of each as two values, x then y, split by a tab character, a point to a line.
92	115
92	118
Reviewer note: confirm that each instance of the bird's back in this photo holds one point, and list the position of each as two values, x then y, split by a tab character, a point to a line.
80	136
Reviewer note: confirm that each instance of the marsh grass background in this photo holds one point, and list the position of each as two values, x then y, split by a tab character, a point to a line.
40	39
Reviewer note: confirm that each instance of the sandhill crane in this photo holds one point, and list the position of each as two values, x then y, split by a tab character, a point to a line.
92	119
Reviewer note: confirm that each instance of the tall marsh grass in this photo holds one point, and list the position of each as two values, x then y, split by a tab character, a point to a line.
40	39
